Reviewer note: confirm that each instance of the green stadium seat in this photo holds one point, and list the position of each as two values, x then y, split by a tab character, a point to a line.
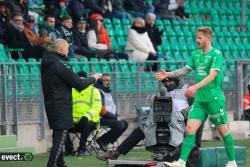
96	66
187	32
110	31
106	66
122	43
169	31
178	31
74	64
118	31
116	21
166	22
115	45
175	22
84	64
23	78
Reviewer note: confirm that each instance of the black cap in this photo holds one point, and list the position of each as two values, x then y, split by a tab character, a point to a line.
82	74
82	20
29	18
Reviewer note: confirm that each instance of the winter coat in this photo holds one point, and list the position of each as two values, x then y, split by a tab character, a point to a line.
57	84
140	44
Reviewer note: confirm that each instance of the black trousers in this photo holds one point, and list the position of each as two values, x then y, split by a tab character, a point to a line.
56	154
84	127
131	141
117	127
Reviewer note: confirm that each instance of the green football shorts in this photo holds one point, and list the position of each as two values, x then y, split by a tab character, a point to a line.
215	111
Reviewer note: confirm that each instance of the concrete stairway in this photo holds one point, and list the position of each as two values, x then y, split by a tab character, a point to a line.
8	143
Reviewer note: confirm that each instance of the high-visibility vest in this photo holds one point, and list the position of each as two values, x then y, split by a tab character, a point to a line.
86	103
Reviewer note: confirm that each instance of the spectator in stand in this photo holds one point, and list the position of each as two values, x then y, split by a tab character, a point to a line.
15	38
3	22
80	39
76	8
139	41
119	11
165	9
66	33
103	7
246	103
180	12
138	8
98	38
33	38
154	32
54	8
48	29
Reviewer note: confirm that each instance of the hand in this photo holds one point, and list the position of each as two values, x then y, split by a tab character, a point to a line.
97	76
190	92
160	75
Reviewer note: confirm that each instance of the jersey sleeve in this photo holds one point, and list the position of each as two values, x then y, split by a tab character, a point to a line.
217	62
190	64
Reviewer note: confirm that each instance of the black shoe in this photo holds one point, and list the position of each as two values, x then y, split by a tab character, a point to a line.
68	152
112	155
103	146
81	152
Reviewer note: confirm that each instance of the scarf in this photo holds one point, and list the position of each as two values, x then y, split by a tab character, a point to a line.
140	30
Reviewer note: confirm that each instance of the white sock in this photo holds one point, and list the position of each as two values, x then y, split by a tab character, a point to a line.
182	161
232	162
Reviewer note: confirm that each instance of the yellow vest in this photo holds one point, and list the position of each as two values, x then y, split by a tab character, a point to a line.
87	103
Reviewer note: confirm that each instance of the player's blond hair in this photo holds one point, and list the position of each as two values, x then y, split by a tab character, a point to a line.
206	31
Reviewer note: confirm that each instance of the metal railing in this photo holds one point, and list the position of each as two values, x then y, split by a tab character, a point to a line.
21	95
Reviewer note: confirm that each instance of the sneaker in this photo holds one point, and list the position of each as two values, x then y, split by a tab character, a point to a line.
179	163
102	146
231	164
109	155
81	152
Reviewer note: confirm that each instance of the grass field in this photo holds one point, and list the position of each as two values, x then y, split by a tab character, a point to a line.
40	160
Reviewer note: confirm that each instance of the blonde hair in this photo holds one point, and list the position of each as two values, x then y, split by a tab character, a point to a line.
206	31
140	20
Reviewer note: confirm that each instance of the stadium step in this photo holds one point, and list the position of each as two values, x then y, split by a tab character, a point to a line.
217	157
8	143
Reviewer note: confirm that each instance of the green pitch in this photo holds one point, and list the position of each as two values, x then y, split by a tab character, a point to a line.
40	160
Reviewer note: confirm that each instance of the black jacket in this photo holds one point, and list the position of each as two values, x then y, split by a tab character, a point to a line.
154	34
81	43
57	83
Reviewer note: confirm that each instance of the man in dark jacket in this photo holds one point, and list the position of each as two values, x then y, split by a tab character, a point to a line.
154	32
80	40
57	83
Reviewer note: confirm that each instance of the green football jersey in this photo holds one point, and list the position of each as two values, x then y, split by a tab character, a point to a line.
202	64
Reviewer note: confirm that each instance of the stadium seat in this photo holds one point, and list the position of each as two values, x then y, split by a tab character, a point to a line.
74	64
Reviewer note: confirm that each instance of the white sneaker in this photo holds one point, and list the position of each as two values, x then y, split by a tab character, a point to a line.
231	164
179	163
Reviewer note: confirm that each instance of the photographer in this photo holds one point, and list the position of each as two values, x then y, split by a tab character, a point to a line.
174	89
